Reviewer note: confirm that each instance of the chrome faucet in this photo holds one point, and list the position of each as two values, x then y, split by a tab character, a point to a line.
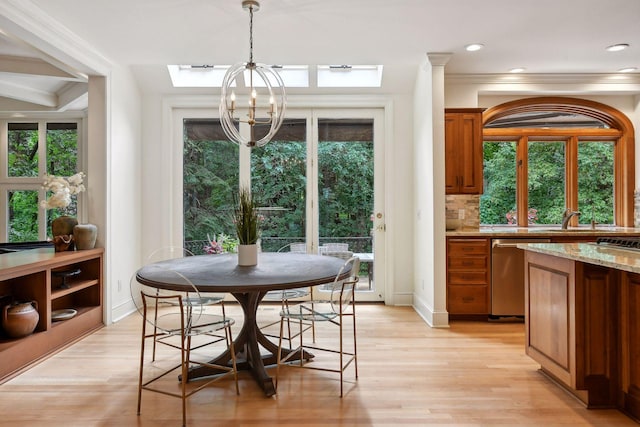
566	217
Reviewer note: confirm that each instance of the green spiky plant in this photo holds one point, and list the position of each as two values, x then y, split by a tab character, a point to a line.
246	217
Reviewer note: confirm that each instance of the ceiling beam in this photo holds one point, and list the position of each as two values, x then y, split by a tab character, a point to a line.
35	67
24	93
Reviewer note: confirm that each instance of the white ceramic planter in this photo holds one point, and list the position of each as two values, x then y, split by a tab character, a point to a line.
247	255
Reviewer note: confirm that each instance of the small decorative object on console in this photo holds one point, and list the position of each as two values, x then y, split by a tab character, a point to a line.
20	319
65	274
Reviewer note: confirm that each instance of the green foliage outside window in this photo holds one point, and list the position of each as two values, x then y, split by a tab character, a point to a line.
278	176
546	182
22	161
210	181
346	188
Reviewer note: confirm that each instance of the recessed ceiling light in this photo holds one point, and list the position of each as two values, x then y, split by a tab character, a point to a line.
627	69
473	47
617	47
517	70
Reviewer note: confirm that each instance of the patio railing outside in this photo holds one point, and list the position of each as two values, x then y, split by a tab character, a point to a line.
273	244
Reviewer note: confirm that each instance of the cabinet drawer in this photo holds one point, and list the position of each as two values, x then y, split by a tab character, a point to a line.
467	277
468	299
468	247
467	263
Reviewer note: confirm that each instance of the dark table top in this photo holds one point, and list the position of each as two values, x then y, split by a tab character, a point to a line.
221	273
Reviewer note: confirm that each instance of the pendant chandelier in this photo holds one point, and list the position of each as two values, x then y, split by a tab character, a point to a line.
262	102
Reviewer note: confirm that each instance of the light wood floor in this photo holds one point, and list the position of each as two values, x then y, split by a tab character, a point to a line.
472	374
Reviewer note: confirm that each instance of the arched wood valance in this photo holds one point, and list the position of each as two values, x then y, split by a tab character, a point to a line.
606	114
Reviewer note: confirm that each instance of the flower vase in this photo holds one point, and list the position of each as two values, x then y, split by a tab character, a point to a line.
62	232
247	255
84	236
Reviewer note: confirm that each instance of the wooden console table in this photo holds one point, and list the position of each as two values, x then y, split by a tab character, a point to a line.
32	275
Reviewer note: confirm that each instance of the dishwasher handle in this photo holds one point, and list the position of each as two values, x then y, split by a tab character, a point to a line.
513	243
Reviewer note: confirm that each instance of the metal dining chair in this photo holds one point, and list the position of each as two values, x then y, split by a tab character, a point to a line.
334	311
202	299
176	319
286	295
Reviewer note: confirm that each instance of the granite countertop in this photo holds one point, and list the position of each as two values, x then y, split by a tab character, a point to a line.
591	253
543	231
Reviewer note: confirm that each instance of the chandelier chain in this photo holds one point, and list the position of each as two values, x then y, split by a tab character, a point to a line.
250	34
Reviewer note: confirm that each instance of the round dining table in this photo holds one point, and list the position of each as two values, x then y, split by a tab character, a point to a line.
248	284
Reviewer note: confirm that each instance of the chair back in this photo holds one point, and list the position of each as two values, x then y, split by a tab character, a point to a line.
345	255
169	311
166	253
342	291
336	247
299	248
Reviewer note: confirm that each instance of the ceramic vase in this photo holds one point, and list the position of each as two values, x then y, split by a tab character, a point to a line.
63	225
85	235
62	228
247	255
21	319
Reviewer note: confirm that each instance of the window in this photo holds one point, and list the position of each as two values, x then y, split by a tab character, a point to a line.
210	179
544	155
34	148
499	198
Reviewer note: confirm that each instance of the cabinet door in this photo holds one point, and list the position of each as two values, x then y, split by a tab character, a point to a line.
451	168
463	151
630	343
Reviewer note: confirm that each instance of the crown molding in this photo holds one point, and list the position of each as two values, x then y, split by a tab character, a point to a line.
574	78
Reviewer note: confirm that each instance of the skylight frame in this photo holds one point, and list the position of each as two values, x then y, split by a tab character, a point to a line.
349	76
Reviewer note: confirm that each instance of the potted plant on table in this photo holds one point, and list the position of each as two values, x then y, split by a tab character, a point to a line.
246	221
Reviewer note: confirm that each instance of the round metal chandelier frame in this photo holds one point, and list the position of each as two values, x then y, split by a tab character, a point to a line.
265	102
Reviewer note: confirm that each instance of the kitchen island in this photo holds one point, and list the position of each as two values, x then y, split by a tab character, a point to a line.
582	320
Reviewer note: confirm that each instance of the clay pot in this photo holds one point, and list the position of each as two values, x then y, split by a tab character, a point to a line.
20	319
85	236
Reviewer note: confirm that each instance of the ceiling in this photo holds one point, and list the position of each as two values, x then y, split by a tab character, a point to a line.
547	37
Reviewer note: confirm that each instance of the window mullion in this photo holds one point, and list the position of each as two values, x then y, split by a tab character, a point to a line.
522	182
571	176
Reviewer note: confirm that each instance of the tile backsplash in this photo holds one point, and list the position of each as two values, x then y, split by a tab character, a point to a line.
464	207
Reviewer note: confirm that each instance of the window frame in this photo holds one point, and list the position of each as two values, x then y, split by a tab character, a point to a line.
11	183
620	132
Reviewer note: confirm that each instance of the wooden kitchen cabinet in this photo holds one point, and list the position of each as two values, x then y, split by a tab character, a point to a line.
468	276
33	275
463	150
571	326
630	344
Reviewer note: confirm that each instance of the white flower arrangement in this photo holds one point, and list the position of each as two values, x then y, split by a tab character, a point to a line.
62	188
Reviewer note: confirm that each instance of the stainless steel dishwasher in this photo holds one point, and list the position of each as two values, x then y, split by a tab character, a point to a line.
507	276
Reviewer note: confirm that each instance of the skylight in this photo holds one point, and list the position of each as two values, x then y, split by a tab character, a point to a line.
349	75
292	75
212	75
197	75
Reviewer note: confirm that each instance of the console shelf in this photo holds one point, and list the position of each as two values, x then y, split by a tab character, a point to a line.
33	275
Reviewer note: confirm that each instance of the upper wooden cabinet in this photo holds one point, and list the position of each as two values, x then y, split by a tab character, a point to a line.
463	150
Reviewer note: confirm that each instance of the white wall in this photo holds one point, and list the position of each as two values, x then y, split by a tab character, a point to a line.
429	212
124	174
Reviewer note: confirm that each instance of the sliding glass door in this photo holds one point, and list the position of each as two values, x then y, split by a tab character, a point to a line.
318	182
